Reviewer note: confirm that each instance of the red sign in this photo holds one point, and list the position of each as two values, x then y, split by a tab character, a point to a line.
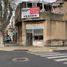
30	12
34	10
34	0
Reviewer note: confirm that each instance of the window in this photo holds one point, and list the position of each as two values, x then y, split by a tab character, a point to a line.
35	37
29	5
34	4
47	7
39	5
54	6
23	5
38	34
38	37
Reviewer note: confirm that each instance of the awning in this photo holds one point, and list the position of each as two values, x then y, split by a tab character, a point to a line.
35	27
35	19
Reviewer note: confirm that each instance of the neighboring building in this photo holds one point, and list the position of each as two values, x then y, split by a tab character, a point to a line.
41	24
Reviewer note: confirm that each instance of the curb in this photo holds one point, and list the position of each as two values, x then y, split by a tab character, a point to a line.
47	50
59	50
13	49
32	49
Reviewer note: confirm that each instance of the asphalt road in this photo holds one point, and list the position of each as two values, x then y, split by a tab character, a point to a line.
9	59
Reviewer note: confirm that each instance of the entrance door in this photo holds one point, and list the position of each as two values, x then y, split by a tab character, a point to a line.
29	39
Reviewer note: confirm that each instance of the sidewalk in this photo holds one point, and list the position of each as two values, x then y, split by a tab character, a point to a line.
32	49
48	49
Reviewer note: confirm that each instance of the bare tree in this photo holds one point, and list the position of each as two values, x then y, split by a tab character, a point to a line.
6	9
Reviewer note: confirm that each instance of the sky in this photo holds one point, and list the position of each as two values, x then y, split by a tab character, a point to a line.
50	1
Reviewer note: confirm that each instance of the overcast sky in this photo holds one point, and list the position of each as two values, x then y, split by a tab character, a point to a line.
50	1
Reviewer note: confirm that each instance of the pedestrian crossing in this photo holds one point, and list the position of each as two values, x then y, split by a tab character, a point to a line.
55	56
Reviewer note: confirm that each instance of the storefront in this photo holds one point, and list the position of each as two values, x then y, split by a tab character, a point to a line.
35	32
34	35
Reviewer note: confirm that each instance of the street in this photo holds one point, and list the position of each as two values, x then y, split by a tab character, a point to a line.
31	59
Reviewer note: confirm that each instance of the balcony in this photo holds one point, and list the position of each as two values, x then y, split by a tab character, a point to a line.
56	17
52	16
58	10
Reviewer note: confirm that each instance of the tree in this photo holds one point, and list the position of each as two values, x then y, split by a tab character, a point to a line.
6	9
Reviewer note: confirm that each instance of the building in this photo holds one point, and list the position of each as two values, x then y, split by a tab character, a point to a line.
41	24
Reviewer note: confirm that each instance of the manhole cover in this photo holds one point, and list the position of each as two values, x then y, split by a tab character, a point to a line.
22	59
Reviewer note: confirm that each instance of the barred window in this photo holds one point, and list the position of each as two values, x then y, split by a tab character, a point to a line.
39	5
38	34
29	5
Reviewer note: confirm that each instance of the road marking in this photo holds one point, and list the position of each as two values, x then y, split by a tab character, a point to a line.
58	57
60	60
54	57
47	54
64	62
21	59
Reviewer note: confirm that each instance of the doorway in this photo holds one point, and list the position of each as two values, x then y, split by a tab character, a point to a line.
29	39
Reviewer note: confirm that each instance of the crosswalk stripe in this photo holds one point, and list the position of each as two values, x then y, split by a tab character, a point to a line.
50	56
64	62
54	57
60	60
58	57
46	54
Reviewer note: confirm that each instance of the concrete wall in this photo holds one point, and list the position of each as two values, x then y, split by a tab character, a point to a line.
65	10
23	34
57	30
19	36
57	34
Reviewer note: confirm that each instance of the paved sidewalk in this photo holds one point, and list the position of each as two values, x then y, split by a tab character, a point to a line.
47	49
33	49
13	48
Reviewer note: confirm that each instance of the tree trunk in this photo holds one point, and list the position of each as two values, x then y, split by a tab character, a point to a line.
1	39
